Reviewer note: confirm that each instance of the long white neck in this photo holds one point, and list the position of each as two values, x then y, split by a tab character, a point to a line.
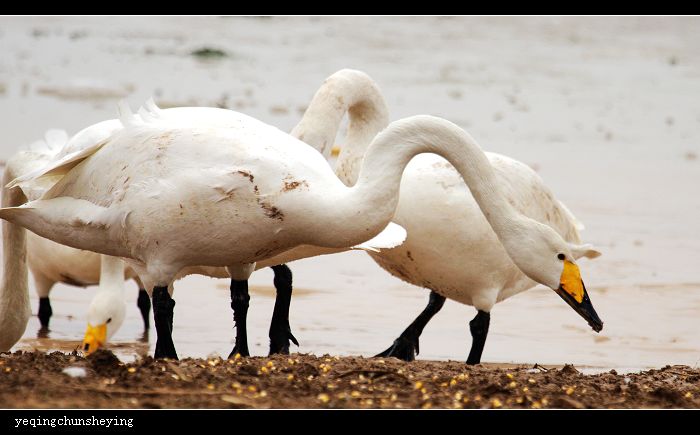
357	94
112	274
369	205
14	291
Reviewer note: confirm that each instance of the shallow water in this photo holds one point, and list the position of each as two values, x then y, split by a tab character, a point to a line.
605	109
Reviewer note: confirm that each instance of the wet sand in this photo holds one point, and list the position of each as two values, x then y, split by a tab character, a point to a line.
603	108
36	380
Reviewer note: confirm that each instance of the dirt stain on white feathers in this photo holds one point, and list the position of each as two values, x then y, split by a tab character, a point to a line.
292	185
247	174
270	210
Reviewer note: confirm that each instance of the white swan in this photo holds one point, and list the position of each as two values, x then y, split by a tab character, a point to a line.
279	332
48	261
166	196
451	249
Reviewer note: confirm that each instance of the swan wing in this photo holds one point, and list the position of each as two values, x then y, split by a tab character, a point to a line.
78	148
392	236
35	156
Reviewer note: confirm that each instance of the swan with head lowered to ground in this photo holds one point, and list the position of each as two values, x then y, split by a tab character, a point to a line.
50	262
166	196
70	164
465	242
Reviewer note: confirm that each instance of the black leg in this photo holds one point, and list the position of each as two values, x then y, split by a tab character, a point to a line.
479	327
144	304
406	346
239	303
280	331
45	311
163	307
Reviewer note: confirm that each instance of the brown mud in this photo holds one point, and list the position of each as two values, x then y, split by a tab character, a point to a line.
38	380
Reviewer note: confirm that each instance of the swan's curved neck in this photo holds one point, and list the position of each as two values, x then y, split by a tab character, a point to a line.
14	289
373	200
111	274
348	91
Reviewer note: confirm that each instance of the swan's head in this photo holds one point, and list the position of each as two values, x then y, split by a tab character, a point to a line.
544	256
105	316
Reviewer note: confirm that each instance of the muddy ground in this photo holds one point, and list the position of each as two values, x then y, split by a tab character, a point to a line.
39	380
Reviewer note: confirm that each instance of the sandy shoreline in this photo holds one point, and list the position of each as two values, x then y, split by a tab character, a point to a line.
37	380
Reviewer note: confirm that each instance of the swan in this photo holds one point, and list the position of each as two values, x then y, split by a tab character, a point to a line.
280	333
48	261
165	196
453	247
108	307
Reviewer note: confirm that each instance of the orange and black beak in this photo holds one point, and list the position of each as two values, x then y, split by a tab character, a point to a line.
95	338
573	291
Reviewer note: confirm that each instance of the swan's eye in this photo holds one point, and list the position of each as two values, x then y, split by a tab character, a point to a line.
109	320
561	256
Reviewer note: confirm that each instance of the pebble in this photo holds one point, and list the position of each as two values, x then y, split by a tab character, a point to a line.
75	372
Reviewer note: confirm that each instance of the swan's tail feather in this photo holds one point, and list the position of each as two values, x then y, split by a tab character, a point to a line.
392	236
153	108
145	115
126	116
150	112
